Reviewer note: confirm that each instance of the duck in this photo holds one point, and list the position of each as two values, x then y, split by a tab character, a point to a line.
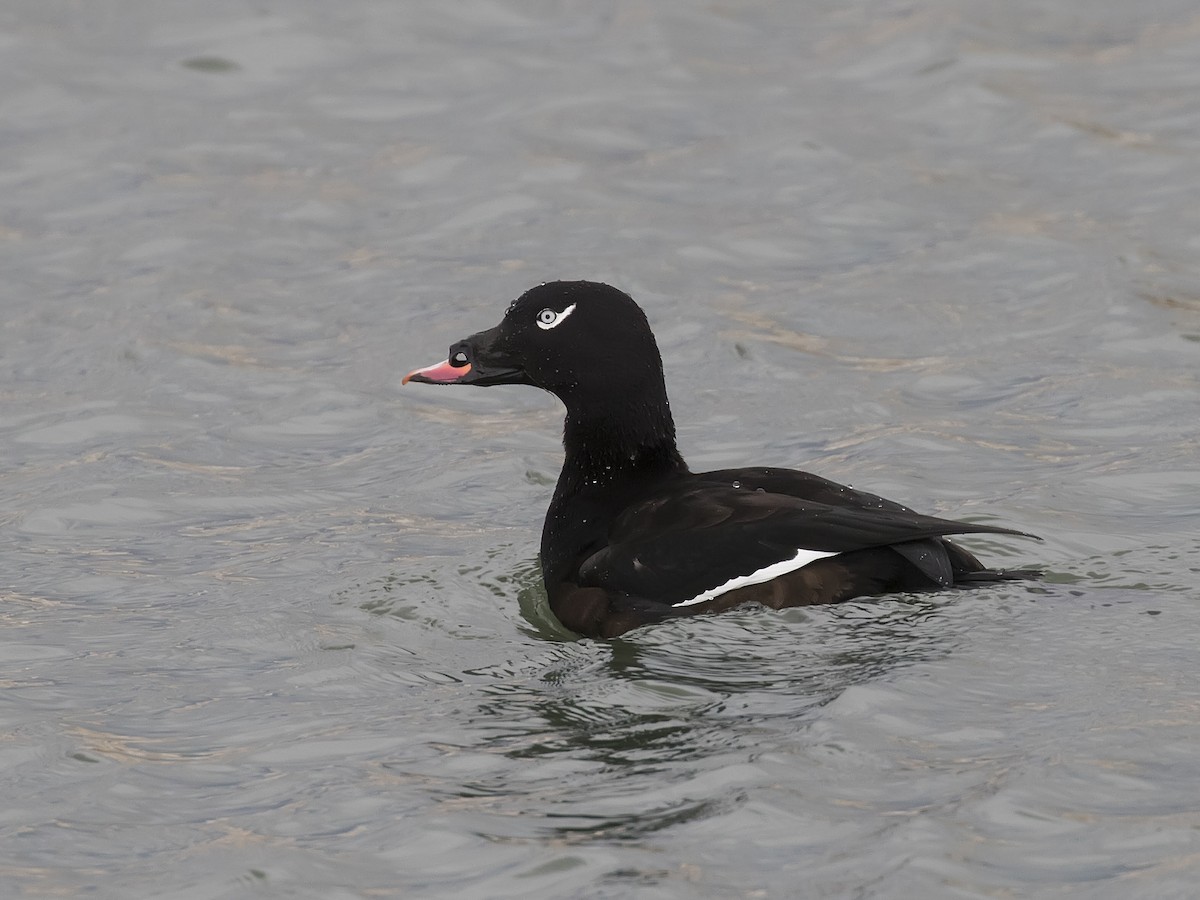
633	537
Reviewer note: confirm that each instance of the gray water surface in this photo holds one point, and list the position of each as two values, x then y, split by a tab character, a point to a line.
272	626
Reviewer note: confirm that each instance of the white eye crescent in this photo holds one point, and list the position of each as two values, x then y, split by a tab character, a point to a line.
549	318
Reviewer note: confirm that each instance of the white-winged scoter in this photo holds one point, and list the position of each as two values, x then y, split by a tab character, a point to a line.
632	537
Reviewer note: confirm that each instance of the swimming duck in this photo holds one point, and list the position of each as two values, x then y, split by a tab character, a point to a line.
633	537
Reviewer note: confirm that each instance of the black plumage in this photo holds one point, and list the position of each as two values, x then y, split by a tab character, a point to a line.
633	537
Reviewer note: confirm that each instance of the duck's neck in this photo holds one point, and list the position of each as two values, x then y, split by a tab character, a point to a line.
613	456
630	439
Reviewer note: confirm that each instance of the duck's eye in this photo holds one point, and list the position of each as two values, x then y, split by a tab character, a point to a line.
548	318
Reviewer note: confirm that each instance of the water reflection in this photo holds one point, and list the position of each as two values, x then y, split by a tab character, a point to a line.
617	740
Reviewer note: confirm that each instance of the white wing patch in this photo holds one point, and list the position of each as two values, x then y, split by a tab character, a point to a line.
799	561
548	318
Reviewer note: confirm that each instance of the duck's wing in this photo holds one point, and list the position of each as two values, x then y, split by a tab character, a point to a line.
699	538
798	484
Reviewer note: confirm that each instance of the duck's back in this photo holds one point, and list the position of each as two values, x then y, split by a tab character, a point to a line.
696	538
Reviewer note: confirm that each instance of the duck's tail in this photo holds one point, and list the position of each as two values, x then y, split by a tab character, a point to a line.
946	564
968	570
